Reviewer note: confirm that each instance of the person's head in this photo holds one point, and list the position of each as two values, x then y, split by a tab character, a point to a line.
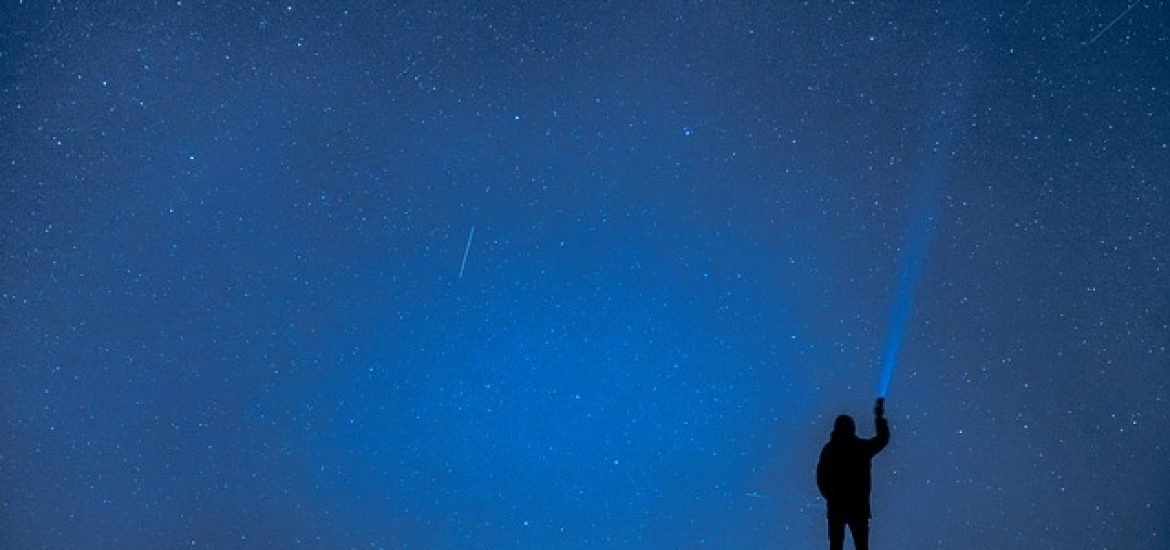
844	426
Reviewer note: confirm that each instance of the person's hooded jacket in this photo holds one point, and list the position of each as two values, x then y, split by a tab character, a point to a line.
843	471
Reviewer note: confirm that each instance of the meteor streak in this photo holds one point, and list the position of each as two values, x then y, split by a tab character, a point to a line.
466	249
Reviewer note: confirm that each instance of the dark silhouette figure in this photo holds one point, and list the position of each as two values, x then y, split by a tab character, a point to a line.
843	477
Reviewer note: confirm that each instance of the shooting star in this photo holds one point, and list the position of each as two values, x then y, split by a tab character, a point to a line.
466	249
1111	23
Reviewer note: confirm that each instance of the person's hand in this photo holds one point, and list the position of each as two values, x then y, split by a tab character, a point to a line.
879	408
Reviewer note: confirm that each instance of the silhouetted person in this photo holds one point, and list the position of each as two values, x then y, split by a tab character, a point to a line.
843	477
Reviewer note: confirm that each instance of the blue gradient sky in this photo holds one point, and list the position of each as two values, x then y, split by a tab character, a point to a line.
231	310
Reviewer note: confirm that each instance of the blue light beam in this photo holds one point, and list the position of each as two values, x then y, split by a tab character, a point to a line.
931	182
908	276
903	301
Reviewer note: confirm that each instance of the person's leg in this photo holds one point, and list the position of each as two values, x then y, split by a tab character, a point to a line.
836	533
859	528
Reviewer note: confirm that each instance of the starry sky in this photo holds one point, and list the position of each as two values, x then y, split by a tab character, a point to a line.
581	274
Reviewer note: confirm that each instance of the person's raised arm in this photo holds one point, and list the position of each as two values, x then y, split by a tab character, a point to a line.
882	438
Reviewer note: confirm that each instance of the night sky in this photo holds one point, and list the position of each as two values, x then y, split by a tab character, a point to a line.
581	274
